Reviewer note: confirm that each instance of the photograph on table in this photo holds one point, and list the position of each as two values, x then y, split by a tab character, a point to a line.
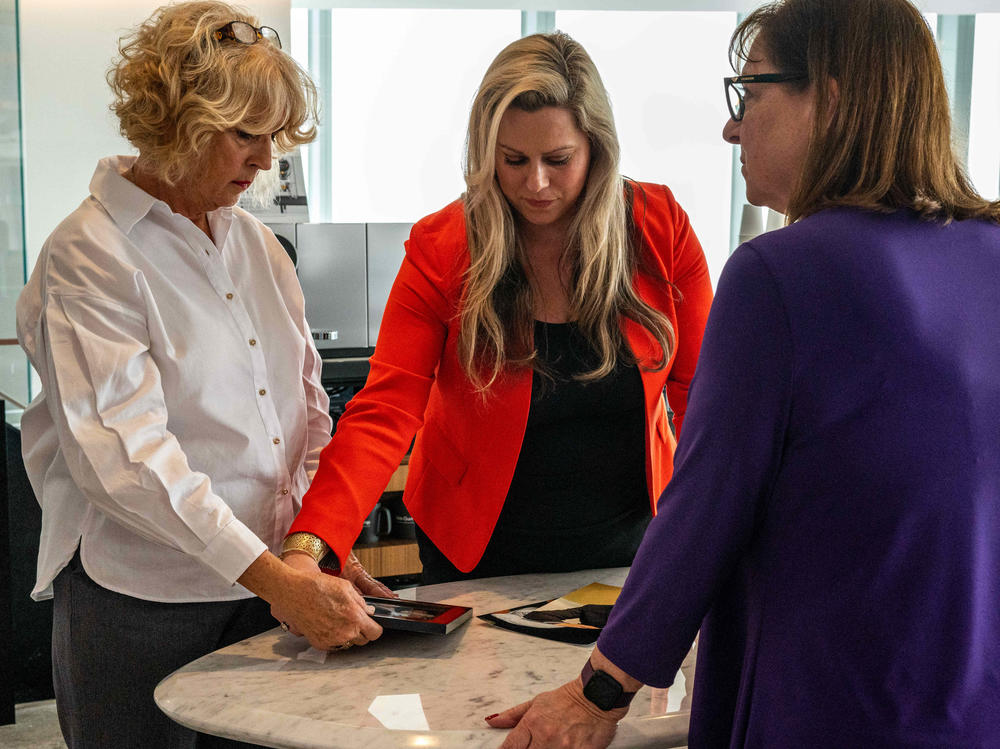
418	616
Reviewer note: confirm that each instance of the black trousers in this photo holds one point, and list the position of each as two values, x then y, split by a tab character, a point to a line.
109	651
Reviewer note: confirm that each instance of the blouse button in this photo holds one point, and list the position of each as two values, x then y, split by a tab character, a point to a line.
284	491
276	441
262	391
229	295
253	341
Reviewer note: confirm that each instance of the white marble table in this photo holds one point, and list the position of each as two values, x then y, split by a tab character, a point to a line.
261	691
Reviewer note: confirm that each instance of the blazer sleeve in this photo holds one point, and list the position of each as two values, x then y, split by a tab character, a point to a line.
379	422
694	289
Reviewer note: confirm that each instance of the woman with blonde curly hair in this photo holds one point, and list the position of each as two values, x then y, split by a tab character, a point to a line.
181	415
527	342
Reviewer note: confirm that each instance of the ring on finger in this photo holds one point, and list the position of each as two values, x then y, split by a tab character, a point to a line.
284	626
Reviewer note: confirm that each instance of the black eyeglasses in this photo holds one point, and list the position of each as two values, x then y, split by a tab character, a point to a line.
734	88
247	33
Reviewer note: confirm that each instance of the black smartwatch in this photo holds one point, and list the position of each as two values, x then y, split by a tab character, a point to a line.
603	689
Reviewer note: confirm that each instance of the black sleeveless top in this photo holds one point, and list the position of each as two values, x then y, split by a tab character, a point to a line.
578	498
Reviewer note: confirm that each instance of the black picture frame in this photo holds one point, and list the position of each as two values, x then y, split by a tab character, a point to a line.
418	616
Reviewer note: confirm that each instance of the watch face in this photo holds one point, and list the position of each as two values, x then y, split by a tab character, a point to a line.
603	690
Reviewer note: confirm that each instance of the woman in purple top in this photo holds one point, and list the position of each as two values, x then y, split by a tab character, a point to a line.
833	523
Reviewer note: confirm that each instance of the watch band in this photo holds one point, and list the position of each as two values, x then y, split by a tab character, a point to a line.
603	689
312	545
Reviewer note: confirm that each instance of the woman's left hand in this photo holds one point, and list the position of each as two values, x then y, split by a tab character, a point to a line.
355	572
562	718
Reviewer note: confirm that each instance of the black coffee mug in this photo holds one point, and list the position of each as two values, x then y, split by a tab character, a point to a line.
403	526
378	523
402	523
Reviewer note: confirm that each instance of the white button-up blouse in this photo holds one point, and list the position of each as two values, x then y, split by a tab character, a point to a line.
181	414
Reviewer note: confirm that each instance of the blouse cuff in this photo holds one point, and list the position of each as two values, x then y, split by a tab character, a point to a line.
232	550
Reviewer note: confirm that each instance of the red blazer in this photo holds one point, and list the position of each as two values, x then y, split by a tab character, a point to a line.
466	448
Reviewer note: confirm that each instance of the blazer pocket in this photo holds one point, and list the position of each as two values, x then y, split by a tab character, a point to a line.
443	455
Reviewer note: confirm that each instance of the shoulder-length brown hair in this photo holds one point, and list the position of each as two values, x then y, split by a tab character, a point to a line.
175	86
883	141
603	247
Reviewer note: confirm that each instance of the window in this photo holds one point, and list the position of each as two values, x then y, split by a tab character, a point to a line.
664	74
400	83
398	92
984	116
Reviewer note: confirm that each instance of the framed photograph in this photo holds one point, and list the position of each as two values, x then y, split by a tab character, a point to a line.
418	616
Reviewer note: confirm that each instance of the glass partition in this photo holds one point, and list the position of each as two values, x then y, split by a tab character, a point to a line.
13	363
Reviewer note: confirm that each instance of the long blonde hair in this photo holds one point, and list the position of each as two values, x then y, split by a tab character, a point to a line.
175	86
496	324
884	141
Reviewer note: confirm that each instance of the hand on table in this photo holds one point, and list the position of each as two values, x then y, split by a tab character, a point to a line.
562	718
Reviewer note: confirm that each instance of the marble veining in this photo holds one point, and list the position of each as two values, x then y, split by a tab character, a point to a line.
259	690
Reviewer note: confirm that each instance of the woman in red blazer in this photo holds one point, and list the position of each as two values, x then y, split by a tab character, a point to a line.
526	342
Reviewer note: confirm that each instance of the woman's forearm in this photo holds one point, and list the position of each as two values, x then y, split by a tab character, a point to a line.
600	662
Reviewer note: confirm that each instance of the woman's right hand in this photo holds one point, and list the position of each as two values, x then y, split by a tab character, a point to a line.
327	610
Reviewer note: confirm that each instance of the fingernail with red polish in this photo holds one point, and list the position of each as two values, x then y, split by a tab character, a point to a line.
491	717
